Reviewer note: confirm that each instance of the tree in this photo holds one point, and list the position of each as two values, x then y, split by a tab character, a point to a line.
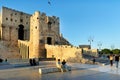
116	51
105	51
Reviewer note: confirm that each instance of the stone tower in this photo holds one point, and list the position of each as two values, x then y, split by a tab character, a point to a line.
34	35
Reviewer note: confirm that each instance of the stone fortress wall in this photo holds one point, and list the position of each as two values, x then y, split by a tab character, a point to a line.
36	35
69	53
12	21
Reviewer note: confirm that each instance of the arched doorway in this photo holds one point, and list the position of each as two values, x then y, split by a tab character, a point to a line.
21	32
49	40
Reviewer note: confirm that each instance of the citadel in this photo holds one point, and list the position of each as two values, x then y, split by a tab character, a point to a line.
35	36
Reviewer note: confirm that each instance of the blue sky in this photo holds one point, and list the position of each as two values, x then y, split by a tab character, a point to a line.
80	20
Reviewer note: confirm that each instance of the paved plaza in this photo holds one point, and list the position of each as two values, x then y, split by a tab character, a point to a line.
79	72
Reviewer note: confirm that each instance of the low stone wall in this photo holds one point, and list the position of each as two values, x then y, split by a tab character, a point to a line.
63	52
17	61
91	52
69	53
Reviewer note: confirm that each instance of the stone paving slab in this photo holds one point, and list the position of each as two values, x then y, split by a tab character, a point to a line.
80	72
104	68
23	65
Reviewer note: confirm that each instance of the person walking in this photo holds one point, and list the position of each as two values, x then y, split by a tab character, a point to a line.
111	59
117	60
94	60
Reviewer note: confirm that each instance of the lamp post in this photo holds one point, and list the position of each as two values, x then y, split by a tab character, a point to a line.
112	47
99	45
90	40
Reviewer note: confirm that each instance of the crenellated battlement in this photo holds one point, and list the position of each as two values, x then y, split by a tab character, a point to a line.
53	19
14	10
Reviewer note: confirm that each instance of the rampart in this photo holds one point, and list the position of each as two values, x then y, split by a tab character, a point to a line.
69	53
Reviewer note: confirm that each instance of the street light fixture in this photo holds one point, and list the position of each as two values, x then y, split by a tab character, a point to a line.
90	40
99	45
99	50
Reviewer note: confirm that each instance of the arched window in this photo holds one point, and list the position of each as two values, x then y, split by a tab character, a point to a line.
21	32
49	25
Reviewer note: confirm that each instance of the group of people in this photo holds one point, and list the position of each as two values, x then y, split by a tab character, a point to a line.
62	65
112	58
32	62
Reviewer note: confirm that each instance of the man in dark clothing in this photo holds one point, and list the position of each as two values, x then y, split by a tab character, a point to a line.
117	60
63	62
31	62
93	60
64	67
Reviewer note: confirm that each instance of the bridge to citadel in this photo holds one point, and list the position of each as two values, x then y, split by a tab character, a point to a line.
36	36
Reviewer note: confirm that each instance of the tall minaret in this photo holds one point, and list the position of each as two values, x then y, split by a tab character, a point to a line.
34	35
